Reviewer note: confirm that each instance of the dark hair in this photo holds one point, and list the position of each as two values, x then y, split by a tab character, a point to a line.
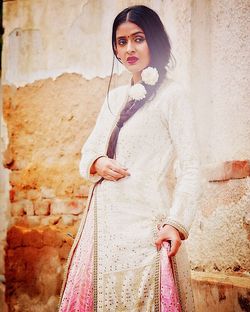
160	53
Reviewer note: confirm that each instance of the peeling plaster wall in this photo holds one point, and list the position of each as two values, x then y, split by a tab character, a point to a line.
56	63
220	79
4	206
45	38
230	80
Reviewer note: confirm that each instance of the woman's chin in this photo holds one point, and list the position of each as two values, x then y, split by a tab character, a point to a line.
133	69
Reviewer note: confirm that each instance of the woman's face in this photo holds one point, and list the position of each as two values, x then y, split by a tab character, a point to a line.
132	47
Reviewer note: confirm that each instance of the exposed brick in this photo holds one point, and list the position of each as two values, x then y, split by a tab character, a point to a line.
50	220
52	238
28	207
33	221
22	207
68	207
32	237
235	169
12	195
33	194
42	207
16	195
17	209
14	237
67	219
47	192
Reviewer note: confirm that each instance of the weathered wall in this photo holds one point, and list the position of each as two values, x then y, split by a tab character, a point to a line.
47	123
56	63
4	208
47	39
219	82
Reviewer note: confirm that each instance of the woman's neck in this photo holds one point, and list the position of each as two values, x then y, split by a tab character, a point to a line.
136	77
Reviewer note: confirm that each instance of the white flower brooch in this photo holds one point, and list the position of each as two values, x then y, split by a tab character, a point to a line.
149	76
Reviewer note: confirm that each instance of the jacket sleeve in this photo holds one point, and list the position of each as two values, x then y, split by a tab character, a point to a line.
95	145
180	119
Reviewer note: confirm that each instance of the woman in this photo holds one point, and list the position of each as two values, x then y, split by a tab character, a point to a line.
128	254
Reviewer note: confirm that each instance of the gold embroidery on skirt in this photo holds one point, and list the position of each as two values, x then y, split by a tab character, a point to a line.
95	268
157	283
176	279
69	258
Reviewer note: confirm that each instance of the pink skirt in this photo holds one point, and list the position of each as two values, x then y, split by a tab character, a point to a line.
78	292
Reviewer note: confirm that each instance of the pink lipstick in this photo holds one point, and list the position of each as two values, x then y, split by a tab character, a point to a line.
132	60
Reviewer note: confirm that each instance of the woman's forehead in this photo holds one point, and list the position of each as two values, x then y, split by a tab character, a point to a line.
127	29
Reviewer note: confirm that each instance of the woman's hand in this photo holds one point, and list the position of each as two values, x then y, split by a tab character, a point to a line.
109	169
169	233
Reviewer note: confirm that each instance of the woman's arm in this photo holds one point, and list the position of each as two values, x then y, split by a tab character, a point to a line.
94	147
180	118
94	163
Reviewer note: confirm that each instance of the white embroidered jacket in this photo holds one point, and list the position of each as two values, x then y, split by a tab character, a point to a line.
158	146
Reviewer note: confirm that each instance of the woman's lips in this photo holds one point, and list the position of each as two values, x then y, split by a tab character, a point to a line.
132	59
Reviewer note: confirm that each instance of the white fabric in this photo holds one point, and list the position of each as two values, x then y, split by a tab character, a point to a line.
157	142
158	146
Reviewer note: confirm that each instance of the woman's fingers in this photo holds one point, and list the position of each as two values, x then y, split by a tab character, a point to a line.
158	243
110	169
175	245
119	169
112	173
169	233
109	177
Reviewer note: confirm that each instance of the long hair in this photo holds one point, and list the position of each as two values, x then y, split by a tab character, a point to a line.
160	53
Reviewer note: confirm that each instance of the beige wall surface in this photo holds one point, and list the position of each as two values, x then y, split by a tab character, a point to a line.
57	60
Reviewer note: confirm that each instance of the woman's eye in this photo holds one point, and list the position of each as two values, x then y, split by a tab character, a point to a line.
121	42
139	39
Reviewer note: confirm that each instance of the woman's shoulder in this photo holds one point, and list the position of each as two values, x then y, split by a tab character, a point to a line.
174	96
115	98
172	88
119	90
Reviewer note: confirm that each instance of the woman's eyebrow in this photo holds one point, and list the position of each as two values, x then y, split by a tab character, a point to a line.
136	33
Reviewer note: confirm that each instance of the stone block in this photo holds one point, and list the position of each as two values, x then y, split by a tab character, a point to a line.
32	238
28	207
17	209
220	292
16	195
22	207
47	192
74	207
33	194
14	237
42	207
67	220
235	169
33	221
53	238
50	220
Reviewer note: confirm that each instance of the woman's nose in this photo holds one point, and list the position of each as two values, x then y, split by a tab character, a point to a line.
130	46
